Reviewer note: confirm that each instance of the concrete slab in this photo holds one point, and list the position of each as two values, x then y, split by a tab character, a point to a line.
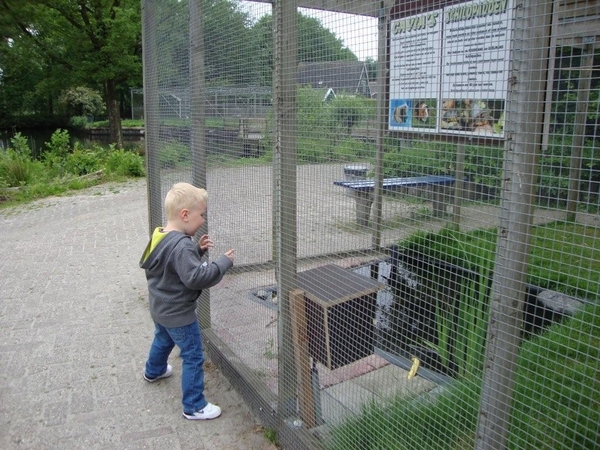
376	387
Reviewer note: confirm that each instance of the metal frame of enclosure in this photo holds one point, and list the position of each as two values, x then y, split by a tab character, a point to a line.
540	27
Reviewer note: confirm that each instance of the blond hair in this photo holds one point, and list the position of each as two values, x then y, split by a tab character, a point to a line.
183	196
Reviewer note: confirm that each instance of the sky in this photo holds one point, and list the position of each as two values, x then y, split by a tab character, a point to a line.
358	33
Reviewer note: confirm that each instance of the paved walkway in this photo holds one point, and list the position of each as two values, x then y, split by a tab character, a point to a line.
74	322
75	332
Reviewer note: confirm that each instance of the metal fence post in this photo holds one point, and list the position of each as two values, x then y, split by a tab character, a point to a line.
382	79
151	114
197	128
285	54
524	128
583	98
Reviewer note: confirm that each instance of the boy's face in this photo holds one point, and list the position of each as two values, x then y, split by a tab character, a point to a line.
194	218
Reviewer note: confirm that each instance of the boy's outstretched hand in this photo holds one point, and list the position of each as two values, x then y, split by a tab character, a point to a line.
205	242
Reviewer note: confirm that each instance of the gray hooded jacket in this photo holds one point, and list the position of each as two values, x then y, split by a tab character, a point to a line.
176	276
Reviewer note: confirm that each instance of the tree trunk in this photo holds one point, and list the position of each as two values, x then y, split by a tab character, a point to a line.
114	115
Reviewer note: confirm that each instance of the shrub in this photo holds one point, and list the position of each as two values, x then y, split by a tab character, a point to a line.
17	167
483	165
54	158
60	143
125	163
82	101
407	158
82	162
348	111
349	149
19	143
79	122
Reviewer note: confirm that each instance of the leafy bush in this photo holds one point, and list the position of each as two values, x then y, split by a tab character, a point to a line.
483	165
19	143
82	162
125	163
60	143
17	167
55	156
82	101
61	168
408	158
313	115
324	127
349	149
348	111
79	122
555	168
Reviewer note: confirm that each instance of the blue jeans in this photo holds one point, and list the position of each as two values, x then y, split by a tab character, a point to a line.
189	341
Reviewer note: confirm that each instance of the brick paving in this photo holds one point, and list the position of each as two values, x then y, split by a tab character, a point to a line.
75	332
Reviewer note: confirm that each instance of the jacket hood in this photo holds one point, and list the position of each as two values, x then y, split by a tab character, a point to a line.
159	248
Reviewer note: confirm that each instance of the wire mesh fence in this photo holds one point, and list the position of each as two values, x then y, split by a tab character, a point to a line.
412	190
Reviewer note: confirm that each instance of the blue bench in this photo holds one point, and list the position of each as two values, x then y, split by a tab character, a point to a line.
362	191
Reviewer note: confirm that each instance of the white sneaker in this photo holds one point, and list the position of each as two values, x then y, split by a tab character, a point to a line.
167	374
210	411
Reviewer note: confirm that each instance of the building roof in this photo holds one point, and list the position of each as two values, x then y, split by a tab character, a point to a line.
341	76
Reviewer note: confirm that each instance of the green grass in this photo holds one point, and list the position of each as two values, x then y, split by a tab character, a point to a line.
565	256
127	123
57	187
556	401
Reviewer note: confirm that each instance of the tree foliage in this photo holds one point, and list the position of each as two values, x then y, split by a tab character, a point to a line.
567	76
315	44
50	50
94	42
228	58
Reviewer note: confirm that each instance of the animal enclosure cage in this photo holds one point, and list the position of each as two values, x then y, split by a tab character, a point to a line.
477	146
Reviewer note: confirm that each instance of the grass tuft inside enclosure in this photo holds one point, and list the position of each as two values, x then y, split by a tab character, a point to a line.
555	404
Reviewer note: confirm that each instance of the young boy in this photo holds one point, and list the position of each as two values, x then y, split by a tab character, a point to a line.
176	276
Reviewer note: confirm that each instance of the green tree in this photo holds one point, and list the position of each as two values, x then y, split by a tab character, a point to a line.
23	71
93	42
371	68
315	43
229	46
229	54
348	111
